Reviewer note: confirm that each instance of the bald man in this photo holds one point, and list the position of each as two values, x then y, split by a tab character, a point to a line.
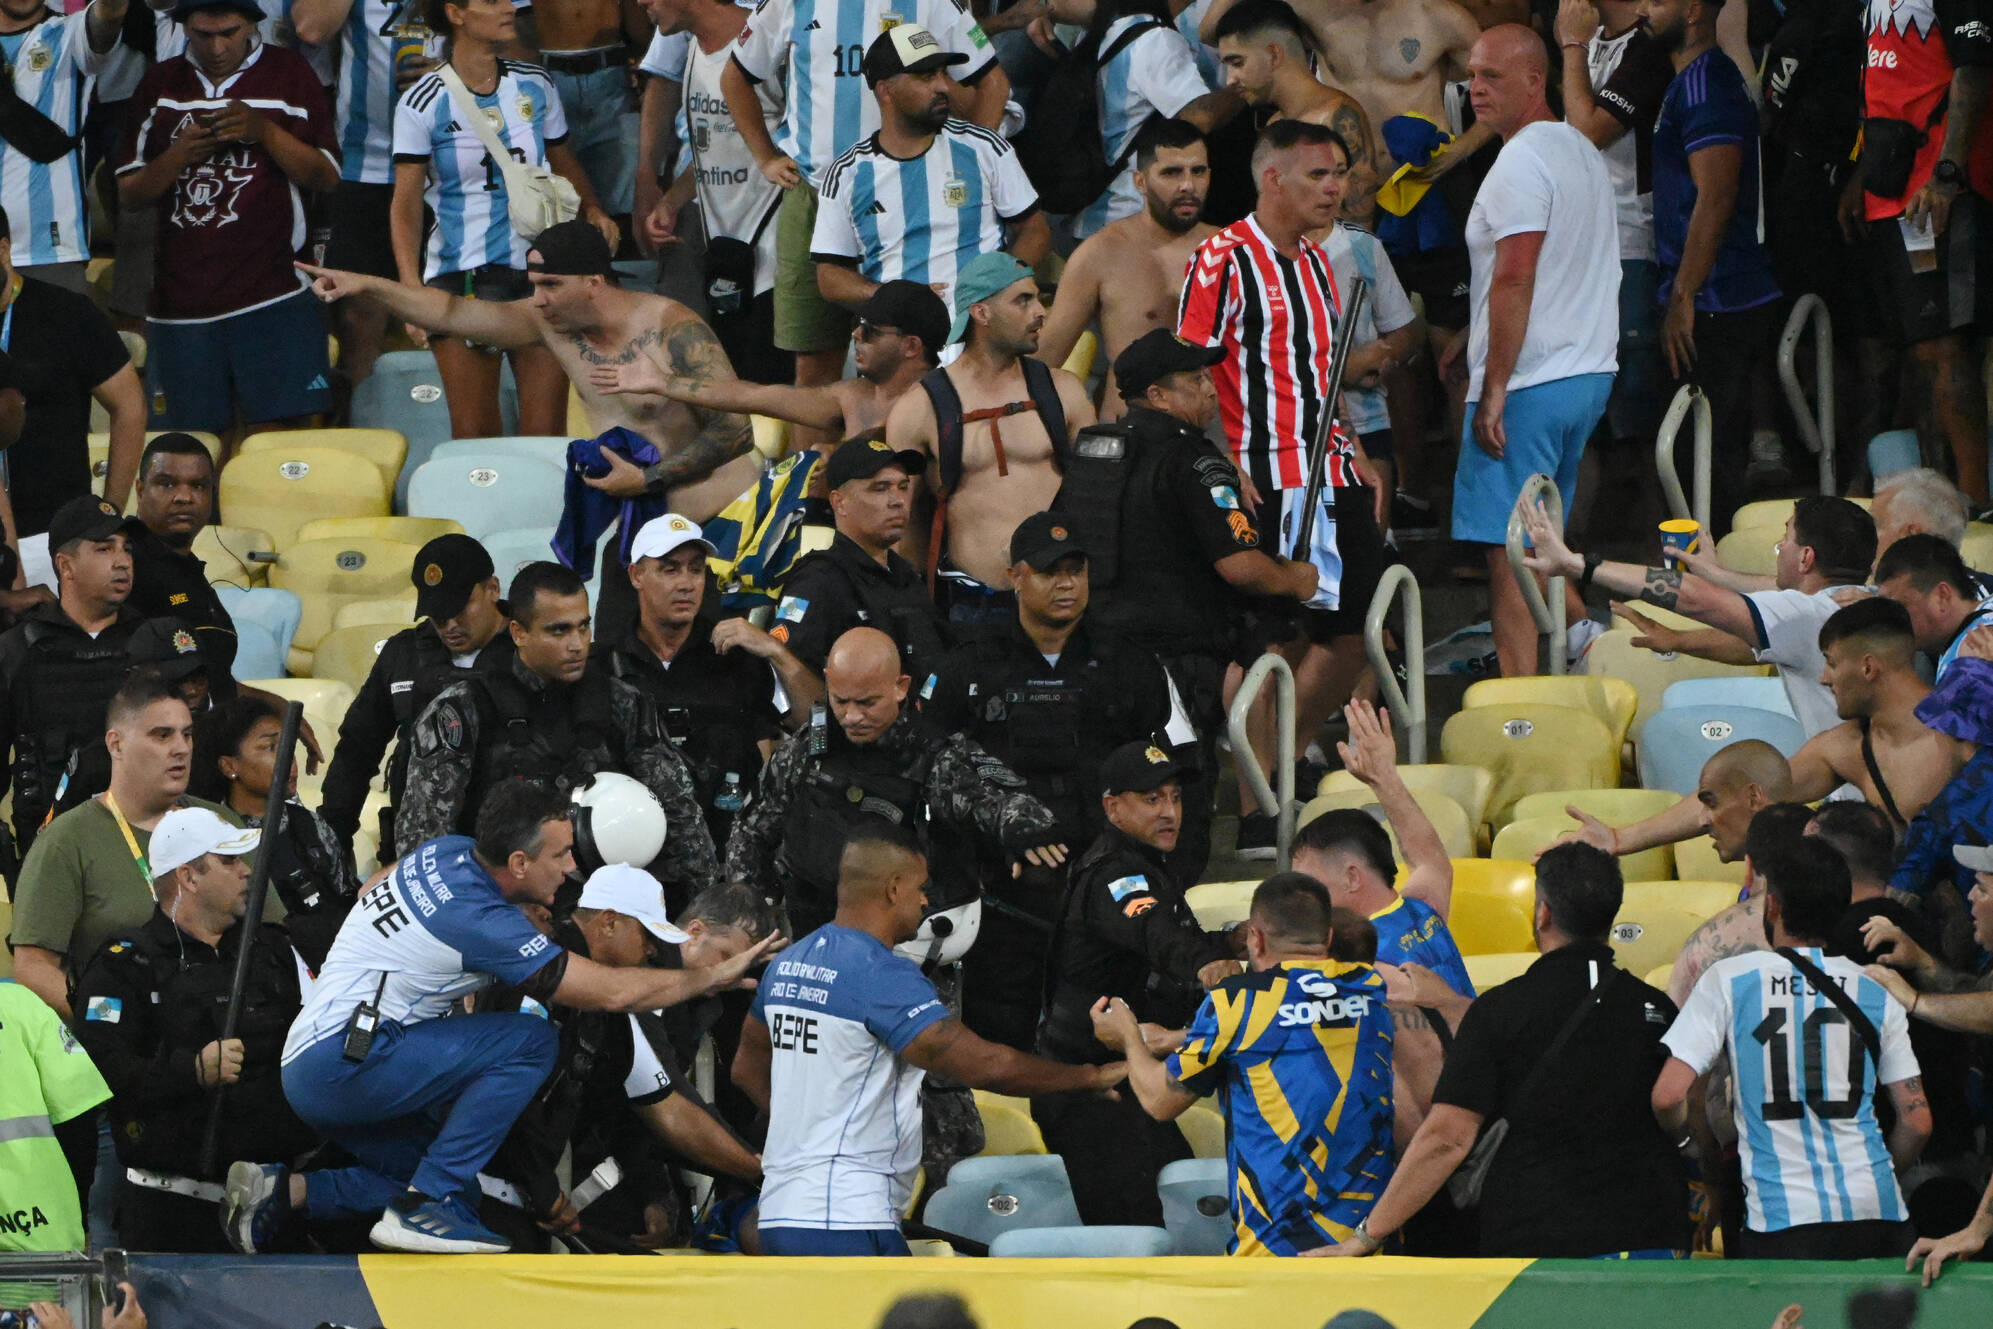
868	755
844	1132
1735	785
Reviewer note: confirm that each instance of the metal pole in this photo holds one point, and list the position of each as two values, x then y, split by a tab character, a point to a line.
1408	713
252	918
1549	615
1281	805
1318	447
1816	426
1688	400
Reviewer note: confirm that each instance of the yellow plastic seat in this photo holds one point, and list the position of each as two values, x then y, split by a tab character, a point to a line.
396	609
1219	904
226	551
1525	837
1499	878
1660	976
1469	786
578	423
1751	549
387	449
1614	807
100	451
416	531
326	574
1530	748
348	654
1612	700
1079	363
1696	860
1771	512
1707	898
280	489
929	1248
1646	935
1487	924
1444	814
1977	546
325	702
771	437
1204	1127
1007	1125
1614	655
814	538
1497	968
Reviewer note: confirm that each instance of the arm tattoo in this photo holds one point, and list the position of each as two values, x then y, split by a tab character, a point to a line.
1661	586
1348	122
631	349
695	353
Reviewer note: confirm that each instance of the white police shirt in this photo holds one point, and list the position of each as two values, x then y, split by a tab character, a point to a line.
432	931
844	1109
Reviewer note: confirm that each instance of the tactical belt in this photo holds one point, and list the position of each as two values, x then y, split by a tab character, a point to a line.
211	1191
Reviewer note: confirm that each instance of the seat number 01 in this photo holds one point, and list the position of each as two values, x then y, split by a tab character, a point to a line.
793	1033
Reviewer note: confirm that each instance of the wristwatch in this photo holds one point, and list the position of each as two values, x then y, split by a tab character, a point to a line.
1947	172
1362	1233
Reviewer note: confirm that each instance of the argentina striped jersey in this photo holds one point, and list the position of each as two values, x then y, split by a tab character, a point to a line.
52	67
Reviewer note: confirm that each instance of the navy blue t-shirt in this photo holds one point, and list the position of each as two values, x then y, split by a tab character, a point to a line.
1707	106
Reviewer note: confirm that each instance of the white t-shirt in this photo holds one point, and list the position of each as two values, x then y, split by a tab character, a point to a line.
1355	252
1155	74
1550	178
1789	622
1803	1085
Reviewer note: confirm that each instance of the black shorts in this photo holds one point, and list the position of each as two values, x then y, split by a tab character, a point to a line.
360	239
1364	558
490	282
1440	278
1380	447
1951	298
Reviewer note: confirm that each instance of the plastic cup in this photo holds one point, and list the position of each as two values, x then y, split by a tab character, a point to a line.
1679	535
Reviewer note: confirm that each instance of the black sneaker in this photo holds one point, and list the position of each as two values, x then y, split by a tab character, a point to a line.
1259	836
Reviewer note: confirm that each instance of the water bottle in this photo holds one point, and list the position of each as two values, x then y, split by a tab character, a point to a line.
731	799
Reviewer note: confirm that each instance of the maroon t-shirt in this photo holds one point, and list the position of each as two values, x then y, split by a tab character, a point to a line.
231	226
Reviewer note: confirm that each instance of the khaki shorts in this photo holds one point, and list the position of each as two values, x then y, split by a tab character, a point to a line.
804	320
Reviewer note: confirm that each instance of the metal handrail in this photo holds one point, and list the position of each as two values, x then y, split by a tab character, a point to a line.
1549	614
1816	426
1280	805
1409	714
1689	397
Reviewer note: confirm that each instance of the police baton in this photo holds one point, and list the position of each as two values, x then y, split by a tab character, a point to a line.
252	918
1318	447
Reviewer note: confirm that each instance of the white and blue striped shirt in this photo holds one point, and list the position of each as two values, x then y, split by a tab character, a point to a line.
1803	1085
1155	74
922	220
365	105
53	67
829	108
466	190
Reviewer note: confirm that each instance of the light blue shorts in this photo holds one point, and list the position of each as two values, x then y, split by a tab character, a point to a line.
1547	426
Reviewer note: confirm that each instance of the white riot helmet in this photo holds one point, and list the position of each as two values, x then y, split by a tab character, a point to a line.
616	820
947	930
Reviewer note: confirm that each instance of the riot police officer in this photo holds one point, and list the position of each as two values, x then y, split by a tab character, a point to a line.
1125	932
549	719
1174	554
457	595
150	1007
1049	696
712	680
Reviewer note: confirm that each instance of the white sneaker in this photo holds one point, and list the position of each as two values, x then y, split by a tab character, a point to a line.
430	1227
1578	639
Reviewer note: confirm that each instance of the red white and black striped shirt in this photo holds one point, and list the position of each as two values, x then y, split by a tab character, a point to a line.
1272	316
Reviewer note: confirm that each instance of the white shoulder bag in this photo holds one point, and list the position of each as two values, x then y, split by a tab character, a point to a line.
535	196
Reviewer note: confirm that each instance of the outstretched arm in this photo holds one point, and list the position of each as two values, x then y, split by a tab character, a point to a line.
1371	755
947	1046
1670	588
505	323
1162	1096
816	407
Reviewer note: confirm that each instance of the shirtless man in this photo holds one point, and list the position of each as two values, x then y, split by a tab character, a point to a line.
1008	468
901	330
580	43
1129	273
586	320
1264	49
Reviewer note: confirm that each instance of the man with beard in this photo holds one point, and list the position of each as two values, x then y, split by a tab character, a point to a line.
925	194
1129	273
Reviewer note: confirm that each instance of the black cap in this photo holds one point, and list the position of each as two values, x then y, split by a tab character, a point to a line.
1155	355
909	306
862	461
187	8
168	645
1042	539
86	518
571	249
445	572
906	48
1136	768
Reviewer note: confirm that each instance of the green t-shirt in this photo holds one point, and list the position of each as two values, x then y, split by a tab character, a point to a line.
46	1078
80	886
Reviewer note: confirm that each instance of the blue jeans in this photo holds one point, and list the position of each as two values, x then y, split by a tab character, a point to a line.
594	106
1640	389
427	1109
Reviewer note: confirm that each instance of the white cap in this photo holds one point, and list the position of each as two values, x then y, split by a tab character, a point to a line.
660	535
1977	857
633	893
184	834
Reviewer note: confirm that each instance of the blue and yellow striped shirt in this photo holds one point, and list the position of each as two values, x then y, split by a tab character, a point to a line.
1300	1057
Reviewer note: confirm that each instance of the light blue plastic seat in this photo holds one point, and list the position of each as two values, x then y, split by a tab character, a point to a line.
489	494
258	653
1081	1243
1197	1205
985	1210
1766	694
1677	742
549	448
405	392
273	616
512	550
991	1169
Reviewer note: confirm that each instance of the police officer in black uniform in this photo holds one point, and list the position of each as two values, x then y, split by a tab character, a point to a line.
550	719
711	679
1125	932
60	666
1174	556
150	1007
1050	696
457	594
176	498
860	581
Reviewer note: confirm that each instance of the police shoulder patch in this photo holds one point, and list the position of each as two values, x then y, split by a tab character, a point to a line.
792	609
107	1010
449	726
1123	887
1136	908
